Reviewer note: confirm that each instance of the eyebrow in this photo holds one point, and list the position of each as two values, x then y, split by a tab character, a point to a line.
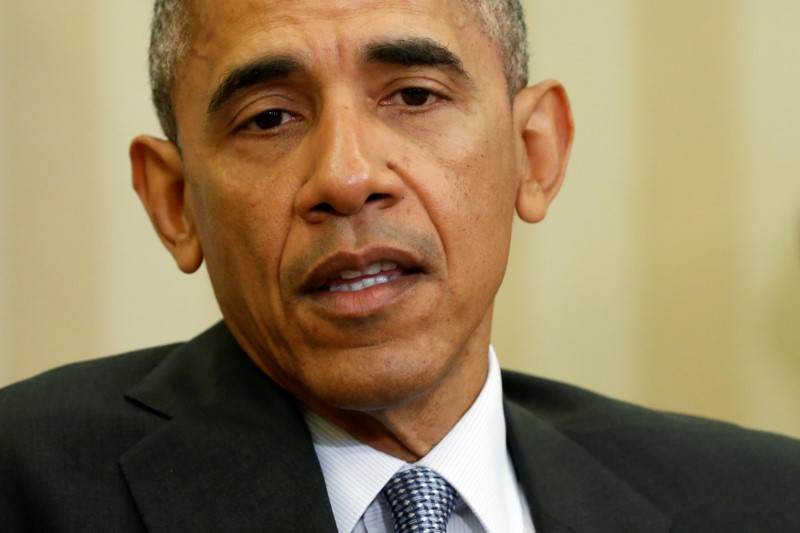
407	52
256	72
414	52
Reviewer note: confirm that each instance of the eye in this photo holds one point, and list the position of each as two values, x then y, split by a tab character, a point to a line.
416	96
269	120
413	97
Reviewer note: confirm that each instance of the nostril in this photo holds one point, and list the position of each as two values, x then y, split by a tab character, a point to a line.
323	208
346	206
375	197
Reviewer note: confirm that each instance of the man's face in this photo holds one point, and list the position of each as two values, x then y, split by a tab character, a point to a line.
351	171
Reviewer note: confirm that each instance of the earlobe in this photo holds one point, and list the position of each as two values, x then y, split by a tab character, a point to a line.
544	128
158	179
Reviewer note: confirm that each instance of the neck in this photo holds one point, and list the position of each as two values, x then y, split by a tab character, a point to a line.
409	430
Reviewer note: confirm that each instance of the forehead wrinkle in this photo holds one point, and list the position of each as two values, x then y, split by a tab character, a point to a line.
340	46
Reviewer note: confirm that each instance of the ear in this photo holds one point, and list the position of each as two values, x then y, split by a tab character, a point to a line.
157	169
544	129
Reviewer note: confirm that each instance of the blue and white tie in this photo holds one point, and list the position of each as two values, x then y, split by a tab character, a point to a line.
421	501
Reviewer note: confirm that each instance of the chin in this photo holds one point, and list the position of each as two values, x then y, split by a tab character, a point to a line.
371	388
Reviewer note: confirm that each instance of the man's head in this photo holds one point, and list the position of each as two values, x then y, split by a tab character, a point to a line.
502	20
349	171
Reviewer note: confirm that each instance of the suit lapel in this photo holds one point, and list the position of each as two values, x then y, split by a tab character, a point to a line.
568	489
233	453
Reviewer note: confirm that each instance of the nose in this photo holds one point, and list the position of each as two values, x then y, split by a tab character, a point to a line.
350	170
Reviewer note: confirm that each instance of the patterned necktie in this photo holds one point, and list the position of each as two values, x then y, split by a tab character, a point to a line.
421	501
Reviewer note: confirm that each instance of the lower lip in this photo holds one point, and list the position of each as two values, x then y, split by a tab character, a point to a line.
365	302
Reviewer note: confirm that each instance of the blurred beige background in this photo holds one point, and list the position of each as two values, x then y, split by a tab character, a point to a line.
667	273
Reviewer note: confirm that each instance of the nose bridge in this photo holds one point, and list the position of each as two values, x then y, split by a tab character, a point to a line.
346	171
343	154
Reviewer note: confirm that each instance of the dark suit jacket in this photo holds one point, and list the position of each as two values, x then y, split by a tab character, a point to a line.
192	437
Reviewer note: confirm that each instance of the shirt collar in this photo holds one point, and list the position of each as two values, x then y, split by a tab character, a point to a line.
355	473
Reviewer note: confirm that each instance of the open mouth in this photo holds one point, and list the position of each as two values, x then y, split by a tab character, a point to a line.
357	280
354	273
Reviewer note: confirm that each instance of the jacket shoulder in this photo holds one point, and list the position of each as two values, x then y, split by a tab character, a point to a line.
580	414
705	473
61	436
78	386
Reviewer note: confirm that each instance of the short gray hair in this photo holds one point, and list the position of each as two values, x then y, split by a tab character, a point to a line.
170	38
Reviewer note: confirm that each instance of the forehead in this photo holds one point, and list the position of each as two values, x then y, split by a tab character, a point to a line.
245	27
277	13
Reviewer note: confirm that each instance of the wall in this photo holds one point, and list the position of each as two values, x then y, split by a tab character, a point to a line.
667	272
83	273
5	140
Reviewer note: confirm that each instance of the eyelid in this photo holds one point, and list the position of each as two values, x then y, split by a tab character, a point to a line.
246	125
439	95
263	104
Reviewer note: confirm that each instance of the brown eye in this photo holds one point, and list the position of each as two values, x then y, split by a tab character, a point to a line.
270	119
415	96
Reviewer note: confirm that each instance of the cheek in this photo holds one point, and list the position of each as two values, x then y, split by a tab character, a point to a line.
242	223
474	192
475	208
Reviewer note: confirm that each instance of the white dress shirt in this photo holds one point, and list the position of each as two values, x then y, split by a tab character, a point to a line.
472	457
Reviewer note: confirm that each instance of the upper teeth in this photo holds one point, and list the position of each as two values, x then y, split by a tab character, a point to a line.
374	268
369	277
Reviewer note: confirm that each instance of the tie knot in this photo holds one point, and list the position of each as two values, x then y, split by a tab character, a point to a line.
420	500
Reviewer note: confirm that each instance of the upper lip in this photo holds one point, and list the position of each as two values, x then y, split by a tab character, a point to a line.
330	266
